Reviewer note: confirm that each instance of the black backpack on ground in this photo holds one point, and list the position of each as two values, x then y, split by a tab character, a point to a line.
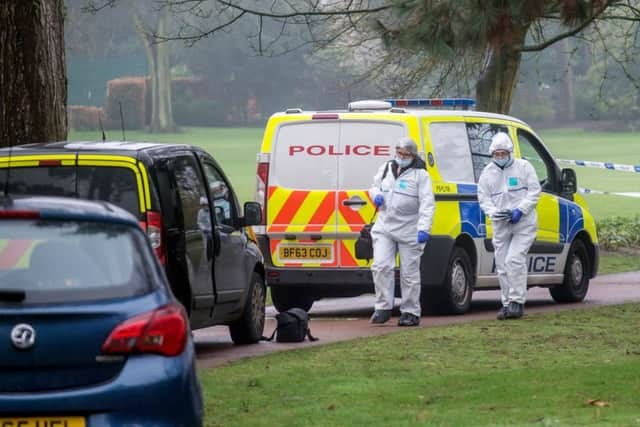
293	326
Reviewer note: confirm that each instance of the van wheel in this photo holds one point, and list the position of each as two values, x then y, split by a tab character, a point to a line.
250	327
454	296
285	298
576	276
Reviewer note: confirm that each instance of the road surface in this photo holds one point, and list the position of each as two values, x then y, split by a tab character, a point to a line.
342	319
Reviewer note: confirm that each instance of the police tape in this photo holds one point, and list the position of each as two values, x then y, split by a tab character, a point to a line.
601	165
609	193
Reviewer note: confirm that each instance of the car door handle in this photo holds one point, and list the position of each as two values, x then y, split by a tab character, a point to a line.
357	202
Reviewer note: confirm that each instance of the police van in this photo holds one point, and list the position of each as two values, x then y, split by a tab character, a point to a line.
315	169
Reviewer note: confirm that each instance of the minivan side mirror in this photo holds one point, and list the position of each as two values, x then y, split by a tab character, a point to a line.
569	181
252	213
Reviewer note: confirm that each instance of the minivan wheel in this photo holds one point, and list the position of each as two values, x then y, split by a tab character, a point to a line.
250	327
454	296
576	276
285	298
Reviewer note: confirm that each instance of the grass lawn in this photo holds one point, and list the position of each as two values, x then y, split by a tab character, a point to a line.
543	370
622	148
615	262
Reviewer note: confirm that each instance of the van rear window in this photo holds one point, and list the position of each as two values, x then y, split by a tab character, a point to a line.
332	155
111	184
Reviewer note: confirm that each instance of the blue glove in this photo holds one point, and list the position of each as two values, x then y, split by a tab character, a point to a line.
516	214
378	200
423	236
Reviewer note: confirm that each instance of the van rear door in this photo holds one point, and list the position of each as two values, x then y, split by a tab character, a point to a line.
365	145
301	207
318	198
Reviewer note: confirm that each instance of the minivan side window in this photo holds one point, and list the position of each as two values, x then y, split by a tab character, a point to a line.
480	135
192	193
221	196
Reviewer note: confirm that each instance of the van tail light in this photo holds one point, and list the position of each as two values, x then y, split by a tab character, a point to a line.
261	188
162	331
154	234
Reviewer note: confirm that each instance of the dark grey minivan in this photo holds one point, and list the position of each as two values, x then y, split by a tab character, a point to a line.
184	202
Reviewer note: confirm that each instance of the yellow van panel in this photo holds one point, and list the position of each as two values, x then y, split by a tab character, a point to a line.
548	218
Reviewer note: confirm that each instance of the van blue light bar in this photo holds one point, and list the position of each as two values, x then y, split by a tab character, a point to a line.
433	102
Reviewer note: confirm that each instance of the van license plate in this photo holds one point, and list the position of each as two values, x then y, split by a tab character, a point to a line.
43	421
305	252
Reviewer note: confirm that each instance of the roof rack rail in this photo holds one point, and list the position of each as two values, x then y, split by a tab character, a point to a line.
293	110
464	103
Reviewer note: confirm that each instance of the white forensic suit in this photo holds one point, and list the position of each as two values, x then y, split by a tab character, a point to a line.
514	187
408	208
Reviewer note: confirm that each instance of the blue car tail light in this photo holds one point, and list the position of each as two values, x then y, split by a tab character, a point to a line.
15	214
162	331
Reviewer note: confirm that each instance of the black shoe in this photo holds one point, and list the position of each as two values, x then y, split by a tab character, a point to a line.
502	314
380	316
408	319
515	310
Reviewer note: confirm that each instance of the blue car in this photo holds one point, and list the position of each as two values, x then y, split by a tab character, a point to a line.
90	333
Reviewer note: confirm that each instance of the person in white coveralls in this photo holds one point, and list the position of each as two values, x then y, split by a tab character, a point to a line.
403	194
508	192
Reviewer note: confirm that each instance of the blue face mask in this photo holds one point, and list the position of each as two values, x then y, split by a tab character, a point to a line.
403	163
502	162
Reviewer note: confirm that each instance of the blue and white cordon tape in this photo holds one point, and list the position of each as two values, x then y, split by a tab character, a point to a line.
601	165
610	193
604	165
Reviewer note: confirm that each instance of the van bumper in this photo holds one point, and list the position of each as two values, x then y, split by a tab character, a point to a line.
348	282
321	283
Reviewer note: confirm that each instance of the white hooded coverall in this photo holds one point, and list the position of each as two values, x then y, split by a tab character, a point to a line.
408	208
515	186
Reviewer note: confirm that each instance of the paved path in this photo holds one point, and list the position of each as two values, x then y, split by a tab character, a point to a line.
343	319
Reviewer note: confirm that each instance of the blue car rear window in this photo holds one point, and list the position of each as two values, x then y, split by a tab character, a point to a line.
67	261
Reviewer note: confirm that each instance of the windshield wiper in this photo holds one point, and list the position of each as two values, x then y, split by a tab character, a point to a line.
13	295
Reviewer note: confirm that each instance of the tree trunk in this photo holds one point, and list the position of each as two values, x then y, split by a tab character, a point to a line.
499	74
33	82
568	99
160	76
163	64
